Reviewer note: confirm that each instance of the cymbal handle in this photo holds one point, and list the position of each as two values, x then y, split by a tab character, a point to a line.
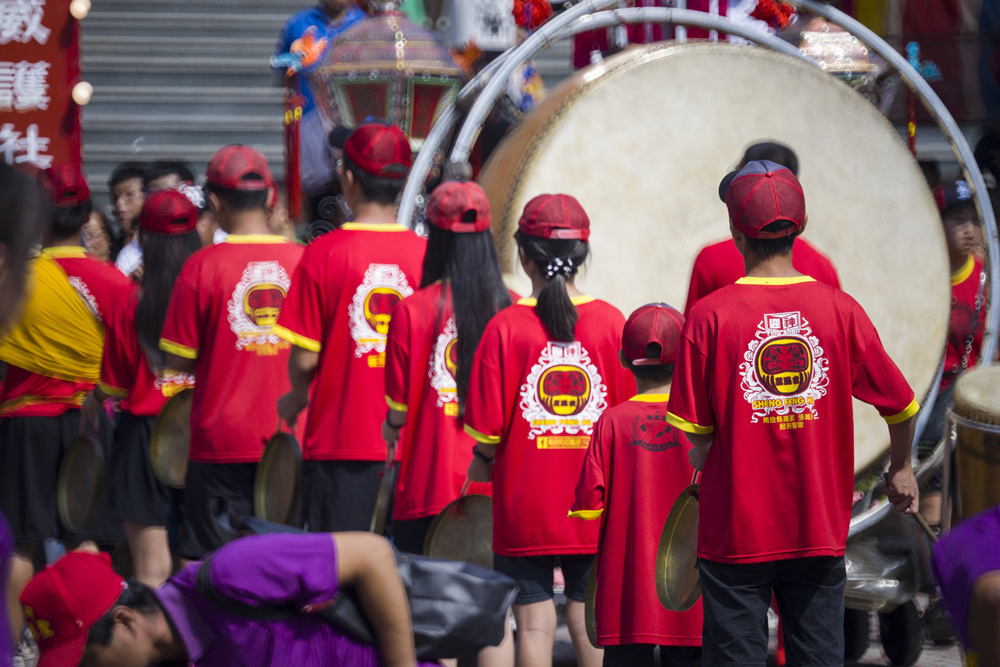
465	486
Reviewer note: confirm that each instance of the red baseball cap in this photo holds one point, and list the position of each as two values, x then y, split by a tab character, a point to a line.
66	185
459	207
377	147
652	323
239	167
63	601
763	192
555	217
168	212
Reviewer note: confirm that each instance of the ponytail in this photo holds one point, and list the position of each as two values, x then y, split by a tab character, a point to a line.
558	260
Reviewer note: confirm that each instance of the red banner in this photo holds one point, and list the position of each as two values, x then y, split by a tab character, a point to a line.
39	65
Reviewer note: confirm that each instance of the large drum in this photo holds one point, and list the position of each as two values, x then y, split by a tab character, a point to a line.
977	452
643	139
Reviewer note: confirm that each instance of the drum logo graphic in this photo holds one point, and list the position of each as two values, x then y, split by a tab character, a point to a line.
784	371
443	366
563	396
255	305
652	432
369	312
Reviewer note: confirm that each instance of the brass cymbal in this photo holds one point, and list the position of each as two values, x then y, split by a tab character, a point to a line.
463	531
170	440
278	481
80	483
677	582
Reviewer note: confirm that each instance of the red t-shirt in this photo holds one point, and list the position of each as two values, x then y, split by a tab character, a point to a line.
420	365
770	365
223	306
721	264
340	306
636	465
124	372
538	401
102	287
964	291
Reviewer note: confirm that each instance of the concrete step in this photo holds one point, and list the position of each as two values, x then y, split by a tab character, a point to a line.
210	22
205	45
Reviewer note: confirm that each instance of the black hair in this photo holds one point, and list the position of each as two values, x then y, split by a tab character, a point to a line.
468	264
376	189
768	248
659	373
773	151
554	306
68	220
163	256
125	171
241	201
24	219
137	596
170	167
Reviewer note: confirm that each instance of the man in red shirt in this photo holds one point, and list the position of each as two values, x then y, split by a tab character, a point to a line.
764	383
337	316
53	358
721	264
218	326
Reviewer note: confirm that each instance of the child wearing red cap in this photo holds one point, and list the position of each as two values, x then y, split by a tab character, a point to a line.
219	326
432	340
635	462
133	371
765	377
337	316
544	371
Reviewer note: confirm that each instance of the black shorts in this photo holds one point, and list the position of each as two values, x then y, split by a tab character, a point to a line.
31	451
410	535
137	496
339	495
205	486
534	575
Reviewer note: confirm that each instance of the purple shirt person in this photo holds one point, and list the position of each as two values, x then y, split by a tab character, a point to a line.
175	623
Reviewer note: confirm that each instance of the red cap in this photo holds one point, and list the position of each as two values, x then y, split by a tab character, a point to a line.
459	207
66	185
168	212
555	217
238	167
763	192
64	600
380	149
652	323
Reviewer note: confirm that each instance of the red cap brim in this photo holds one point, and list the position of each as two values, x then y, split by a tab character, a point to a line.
66	654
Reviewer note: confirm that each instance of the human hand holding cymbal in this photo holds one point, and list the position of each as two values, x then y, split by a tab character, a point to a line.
290	405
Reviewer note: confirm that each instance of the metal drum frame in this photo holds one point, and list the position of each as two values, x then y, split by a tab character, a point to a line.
481	93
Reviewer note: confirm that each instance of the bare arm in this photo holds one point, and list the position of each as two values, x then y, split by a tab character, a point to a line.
479	470
180	364
701	443
302	365
366	562
901	485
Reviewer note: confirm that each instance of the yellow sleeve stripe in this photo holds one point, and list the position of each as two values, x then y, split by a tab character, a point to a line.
482	437
688	427
586	514
398	407
116	392
910	410
296	339
178	349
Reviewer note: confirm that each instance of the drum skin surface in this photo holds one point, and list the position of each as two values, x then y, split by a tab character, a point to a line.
643	139
977	452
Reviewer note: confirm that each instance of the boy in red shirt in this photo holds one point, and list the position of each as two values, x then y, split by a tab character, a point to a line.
764	383
337	317
635	455
218	326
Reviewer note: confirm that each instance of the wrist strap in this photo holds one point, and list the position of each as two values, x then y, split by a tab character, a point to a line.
482	457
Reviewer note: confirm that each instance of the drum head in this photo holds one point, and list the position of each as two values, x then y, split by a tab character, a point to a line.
80	484
677	582
643	139
383	501
590	608
463	531
976	395
278	481
170	440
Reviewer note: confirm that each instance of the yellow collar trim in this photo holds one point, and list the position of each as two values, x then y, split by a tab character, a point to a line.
963	273
650	398
576	300
374	227
746	280
63	251
255	238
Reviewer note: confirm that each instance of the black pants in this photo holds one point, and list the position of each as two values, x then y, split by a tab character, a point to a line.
641	655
